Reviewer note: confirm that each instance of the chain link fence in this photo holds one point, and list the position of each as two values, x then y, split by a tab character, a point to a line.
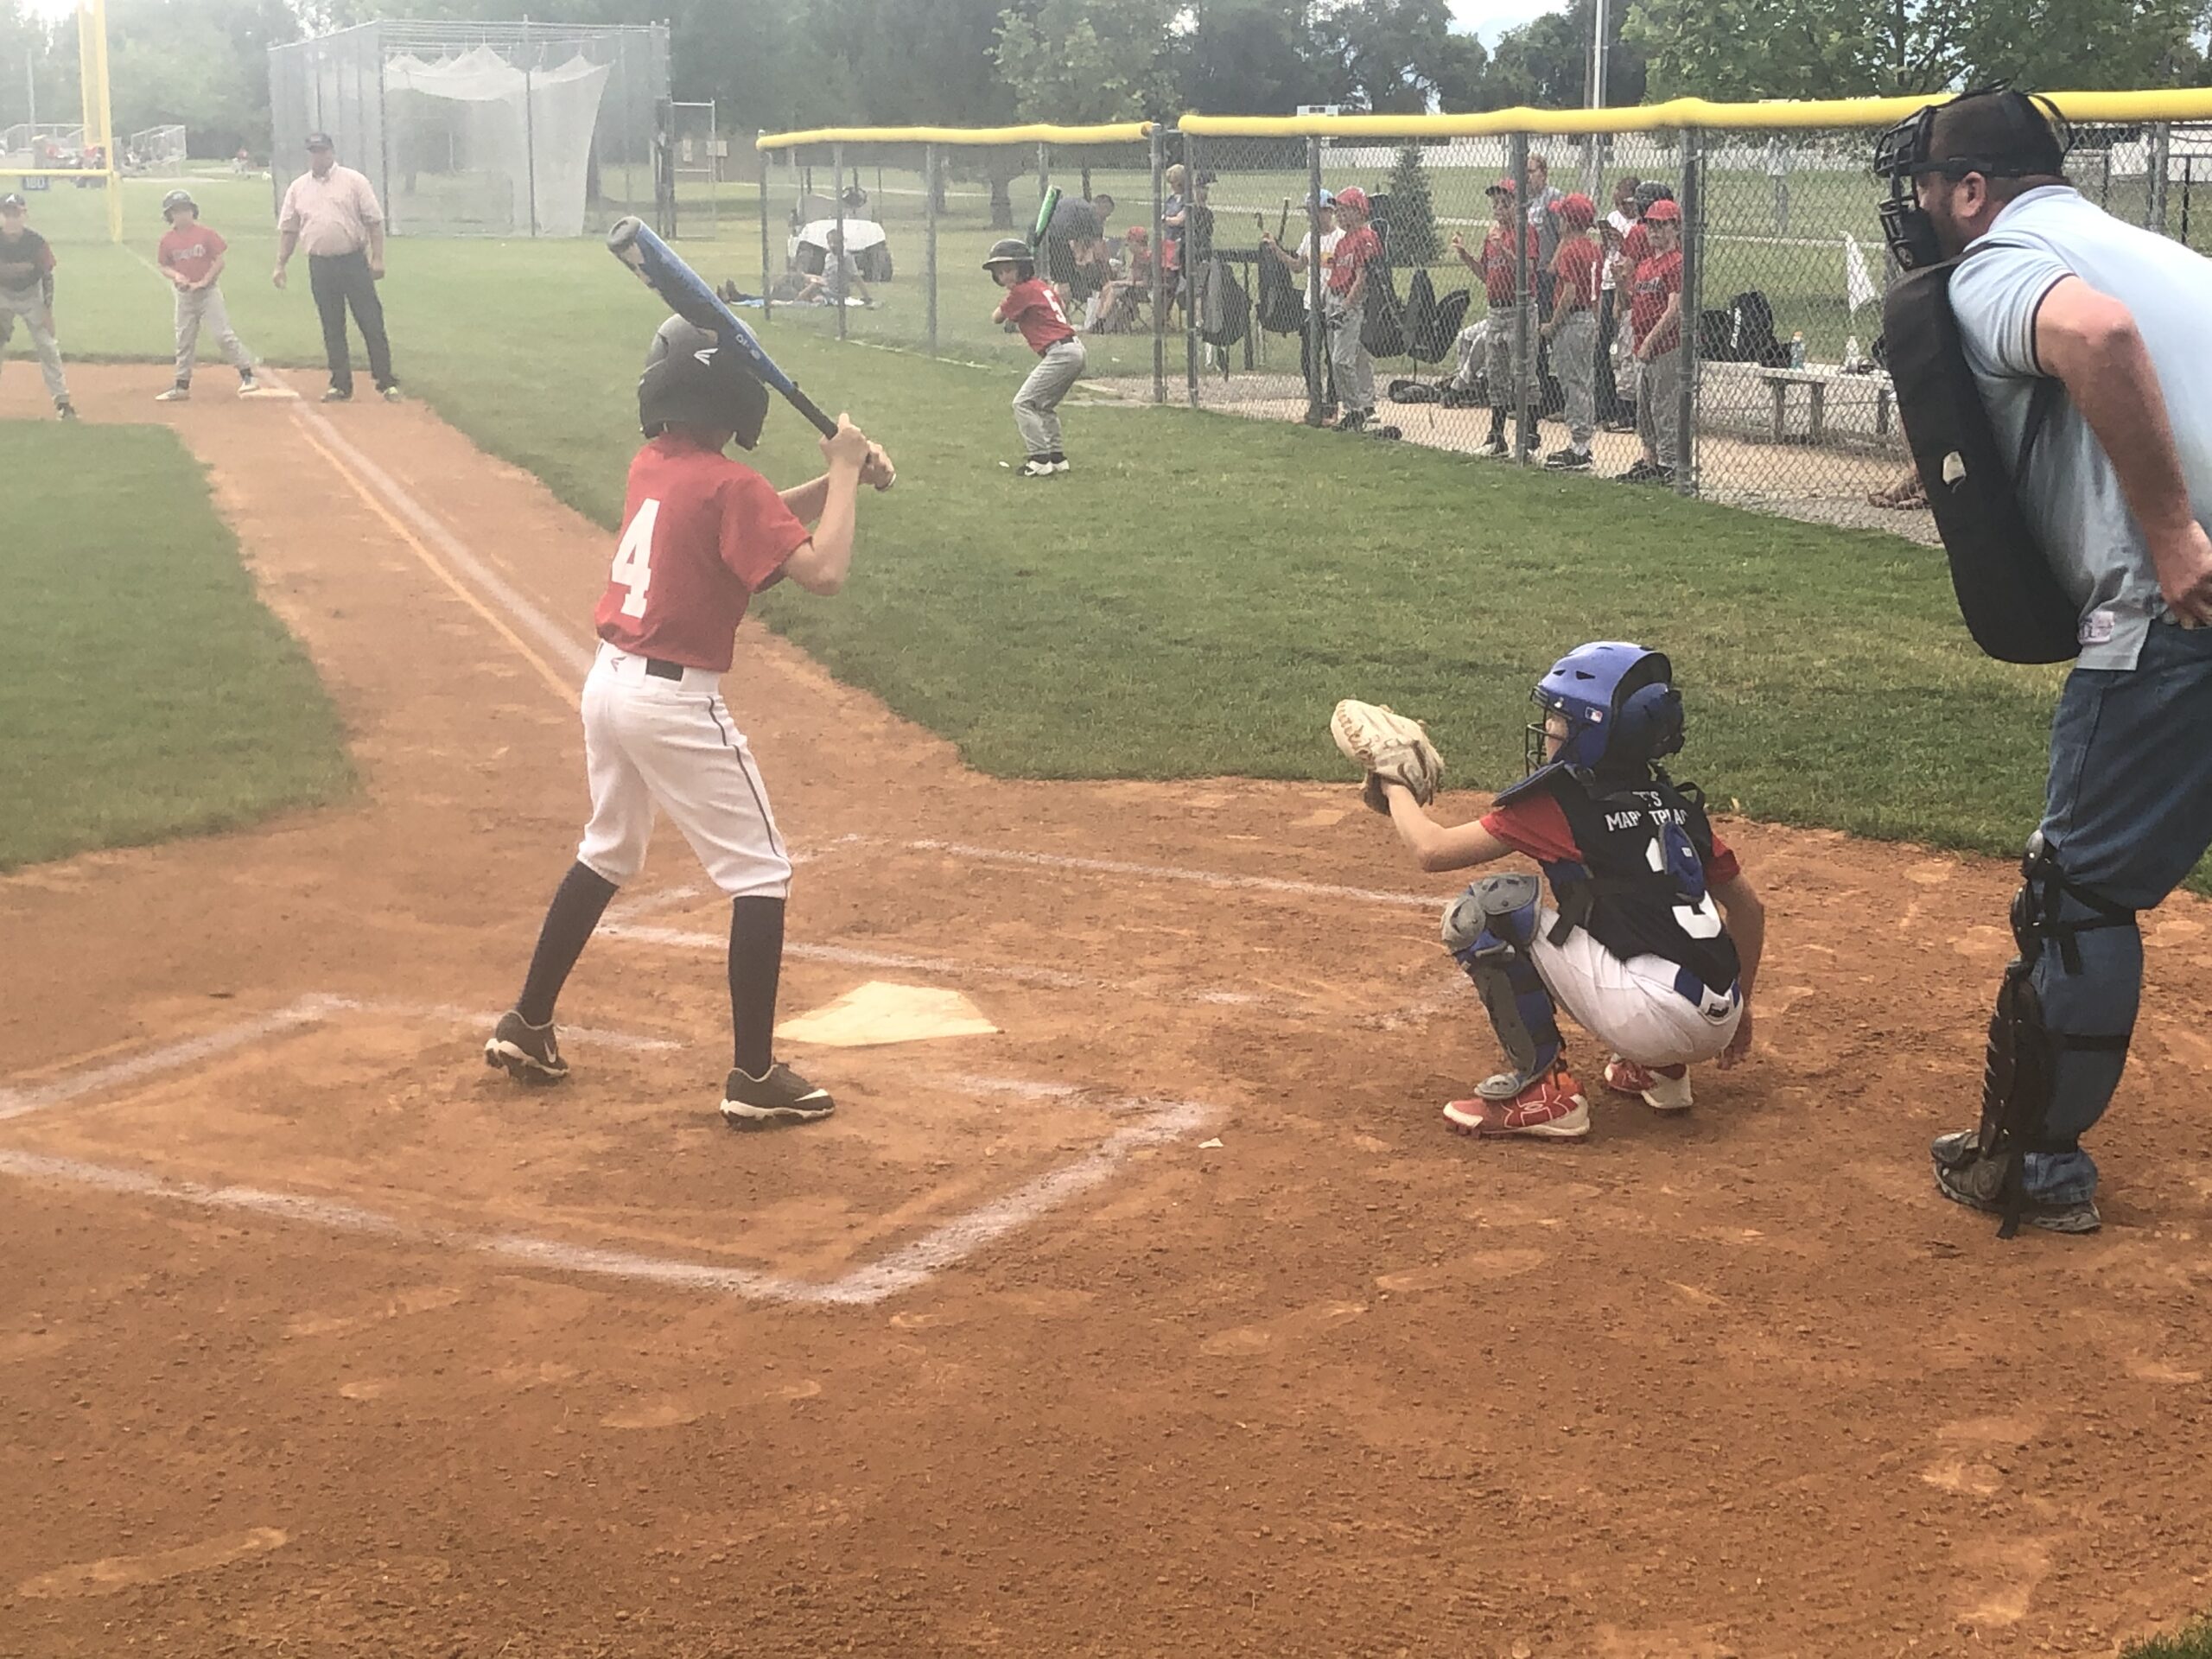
483	129
1729	346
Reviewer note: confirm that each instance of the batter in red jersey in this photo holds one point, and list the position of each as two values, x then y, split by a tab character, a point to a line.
1033	308
701	535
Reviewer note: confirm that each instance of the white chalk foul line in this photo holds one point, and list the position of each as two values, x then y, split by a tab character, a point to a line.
910	1265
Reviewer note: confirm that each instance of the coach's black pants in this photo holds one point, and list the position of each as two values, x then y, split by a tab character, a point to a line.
339	280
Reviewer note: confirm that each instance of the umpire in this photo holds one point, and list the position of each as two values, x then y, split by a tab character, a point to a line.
332	212
2118	490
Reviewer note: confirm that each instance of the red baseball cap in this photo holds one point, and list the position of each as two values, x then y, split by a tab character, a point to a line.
1577	210
1353	197
1503	187
1663	212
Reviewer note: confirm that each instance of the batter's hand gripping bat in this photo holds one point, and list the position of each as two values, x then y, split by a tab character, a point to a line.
660	268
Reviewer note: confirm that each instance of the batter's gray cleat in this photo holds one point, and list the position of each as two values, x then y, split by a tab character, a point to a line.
525	1052
779	1097
174	395
1964	1176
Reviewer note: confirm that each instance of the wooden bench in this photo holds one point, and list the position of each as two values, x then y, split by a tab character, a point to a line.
1816	382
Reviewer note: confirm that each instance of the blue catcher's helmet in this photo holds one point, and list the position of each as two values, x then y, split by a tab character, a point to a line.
1620	707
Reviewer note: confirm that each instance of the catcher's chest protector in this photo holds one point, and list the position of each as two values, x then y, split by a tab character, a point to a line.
1640	887
2012	604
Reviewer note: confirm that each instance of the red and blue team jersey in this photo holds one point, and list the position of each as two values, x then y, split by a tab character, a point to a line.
701	535
1034	309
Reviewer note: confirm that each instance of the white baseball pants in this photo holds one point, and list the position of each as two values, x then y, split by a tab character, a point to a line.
670	743
203	307
1632	1007
31	308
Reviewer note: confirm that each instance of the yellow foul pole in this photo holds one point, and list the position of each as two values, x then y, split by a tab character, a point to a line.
100	118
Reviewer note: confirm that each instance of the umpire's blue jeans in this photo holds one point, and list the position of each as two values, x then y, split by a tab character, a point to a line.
2129	814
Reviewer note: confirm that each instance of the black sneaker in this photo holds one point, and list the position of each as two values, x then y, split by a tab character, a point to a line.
781	1096
1493	450
1353	420
1569	460
525	1052
1637	473
334	395
65	411
1964	1176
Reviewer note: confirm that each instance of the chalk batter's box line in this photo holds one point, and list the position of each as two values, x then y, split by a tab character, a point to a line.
1150	1123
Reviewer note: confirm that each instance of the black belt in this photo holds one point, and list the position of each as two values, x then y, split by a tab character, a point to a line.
663	671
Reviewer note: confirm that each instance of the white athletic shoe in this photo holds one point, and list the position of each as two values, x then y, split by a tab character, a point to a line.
1662	1090
174	395
1037	467
1061	465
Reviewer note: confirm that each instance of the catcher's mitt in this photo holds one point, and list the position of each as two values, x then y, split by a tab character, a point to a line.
1386	746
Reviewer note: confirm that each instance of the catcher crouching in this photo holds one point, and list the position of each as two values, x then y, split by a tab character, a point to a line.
1652	941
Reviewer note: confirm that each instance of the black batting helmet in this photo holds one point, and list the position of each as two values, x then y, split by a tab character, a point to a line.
1011	251
177	199
692	379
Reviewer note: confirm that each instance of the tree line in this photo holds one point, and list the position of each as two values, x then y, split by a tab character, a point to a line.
781	64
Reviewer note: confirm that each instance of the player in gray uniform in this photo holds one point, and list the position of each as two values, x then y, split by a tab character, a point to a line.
191	256
27	291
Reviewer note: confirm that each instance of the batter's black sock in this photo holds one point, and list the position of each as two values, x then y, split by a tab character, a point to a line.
575	910
1498	426
756	963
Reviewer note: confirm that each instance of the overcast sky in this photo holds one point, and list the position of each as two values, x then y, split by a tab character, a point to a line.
1490	18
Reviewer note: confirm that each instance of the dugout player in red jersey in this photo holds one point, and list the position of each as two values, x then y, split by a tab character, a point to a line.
701	535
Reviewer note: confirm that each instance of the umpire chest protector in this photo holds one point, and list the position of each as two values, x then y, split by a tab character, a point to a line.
2012	601
1640	889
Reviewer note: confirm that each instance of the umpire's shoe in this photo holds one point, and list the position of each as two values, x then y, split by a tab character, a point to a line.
525	1052
778	1096
1964	1176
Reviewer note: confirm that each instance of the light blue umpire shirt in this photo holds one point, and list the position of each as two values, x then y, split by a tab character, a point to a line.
2070	493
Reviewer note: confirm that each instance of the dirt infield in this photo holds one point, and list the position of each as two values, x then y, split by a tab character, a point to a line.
319	1338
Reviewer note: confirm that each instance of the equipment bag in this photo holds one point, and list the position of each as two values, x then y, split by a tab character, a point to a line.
2012	601
1282	307
1224	309
1383	329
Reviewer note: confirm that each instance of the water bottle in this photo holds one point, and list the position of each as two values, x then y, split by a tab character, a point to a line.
1850	352
1797	350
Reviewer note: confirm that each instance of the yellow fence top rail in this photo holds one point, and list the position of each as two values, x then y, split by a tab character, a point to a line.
2192	104
1120	132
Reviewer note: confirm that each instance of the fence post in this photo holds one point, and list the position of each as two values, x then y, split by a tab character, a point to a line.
1159	275
1189	272
528	145
1317	321
767	272
2154	206
1524	427
1693	206
837	194
1044	173
929	239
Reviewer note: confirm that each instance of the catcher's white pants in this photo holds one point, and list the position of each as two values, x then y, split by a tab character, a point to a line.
650	741
1632	1007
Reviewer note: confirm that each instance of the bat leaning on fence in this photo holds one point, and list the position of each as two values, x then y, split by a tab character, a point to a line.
660	268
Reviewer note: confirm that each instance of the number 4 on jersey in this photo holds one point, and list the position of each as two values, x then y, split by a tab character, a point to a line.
633	559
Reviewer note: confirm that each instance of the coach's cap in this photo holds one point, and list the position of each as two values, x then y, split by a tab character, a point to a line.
1503	187
12	203
1577	211
1327	199
320	141
1663	212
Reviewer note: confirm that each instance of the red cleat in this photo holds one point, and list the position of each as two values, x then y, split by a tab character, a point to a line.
1552	1107
1662	1088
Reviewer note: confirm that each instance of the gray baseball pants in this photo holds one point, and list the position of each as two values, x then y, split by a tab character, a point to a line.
1497	362
203	307
1574	361
31	308
1658	411
1037	405
1348	358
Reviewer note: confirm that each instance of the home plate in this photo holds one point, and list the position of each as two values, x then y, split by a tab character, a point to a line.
879	1012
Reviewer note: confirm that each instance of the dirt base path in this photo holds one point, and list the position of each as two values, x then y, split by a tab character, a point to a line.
317	1337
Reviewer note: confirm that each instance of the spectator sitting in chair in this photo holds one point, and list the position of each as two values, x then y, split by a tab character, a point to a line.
840	279
1113	310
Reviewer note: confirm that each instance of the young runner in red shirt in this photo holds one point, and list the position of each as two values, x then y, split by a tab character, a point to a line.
701	535
1033	308
191	256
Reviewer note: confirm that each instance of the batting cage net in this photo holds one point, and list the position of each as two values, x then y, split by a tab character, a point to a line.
483	129
155	150
1671	301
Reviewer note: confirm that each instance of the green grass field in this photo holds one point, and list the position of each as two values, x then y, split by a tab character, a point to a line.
2195	1643
1193	598
149	694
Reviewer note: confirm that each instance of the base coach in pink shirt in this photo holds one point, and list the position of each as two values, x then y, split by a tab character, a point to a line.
332	212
